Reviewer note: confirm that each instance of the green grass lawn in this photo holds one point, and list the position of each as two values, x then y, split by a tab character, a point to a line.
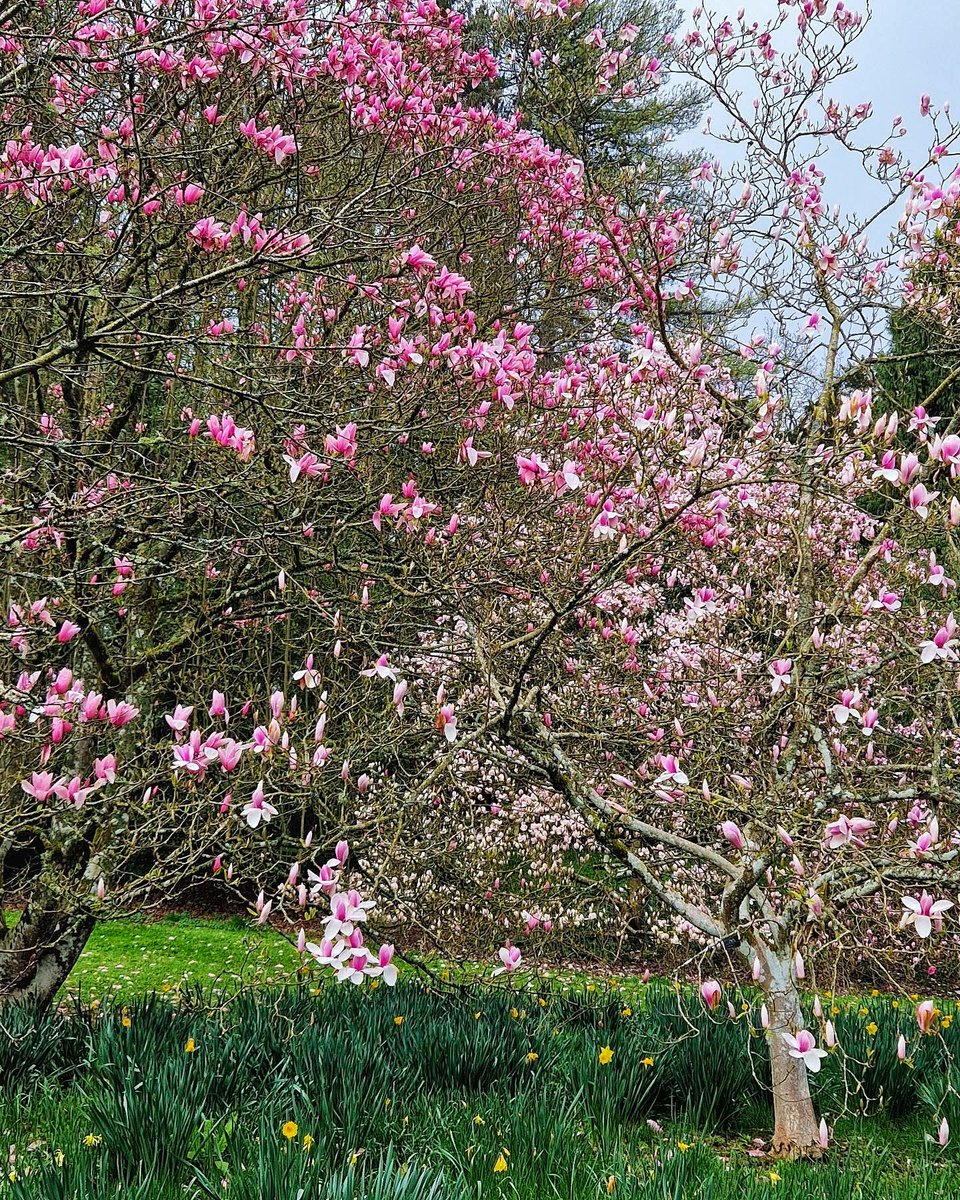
130	957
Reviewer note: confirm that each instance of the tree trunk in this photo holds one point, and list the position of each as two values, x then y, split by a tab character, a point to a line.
796	1133
38	953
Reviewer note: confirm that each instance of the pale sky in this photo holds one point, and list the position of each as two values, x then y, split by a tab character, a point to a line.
909	47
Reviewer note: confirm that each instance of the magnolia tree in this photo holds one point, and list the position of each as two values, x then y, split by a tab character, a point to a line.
310	526
283	280
730	644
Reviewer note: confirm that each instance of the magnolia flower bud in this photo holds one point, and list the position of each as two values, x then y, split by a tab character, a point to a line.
732	833
710	991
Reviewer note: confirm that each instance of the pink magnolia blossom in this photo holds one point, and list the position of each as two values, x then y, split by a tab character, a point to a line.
381	669
328	953
346	910
180	719
67	631
120	713
671	772
846	831
921	499
530	468
849	706
447	722
384	967
40	786
941	646
229	754
307	465
191	756
419	260
803	1046
308	677
258	809
509	959
343	443
354	967
890	601
924	914
105	768
470	454
781	672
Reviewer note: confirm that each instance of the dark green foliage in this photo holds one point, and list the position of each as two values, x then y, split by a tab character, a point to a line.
561	100
919	367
